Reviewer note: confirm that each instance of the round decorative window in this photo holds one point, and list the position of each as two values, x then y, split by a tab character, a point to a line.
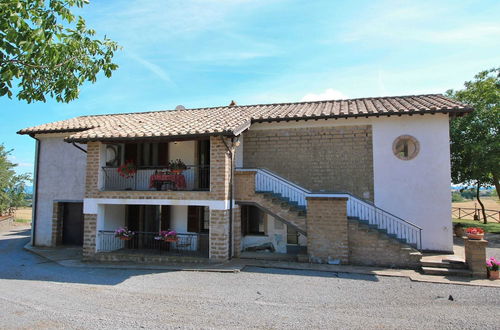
405	147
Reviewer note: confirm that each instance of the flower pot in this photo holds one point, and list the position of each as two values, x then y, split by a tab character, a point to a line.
475	236
494	274
171	240
177	171
125	238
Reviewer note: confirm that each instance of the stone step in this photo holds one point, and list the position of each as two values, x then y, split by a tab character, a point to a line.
444	264
447	271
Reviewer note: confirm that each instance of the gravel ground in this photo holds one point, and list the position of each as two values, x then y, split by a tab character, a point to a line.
35	293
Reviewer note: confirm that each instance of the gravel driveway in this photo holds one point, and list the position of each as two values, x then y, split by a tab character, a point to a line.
40	294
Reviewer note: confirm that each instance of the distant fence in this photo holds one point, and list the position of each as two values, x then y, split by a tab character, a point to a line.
6	222
474	213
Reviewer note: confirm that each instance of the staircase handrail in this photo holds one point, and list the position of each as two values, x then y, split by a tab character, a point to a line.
366	211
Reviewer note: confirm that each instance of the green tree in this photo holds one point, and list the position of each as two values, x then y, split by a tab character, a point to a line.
45	50
475	142
12	186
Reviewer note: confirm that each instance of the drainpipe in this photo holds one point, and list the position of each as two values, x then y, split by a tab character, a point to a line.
35	192
78	147
231	197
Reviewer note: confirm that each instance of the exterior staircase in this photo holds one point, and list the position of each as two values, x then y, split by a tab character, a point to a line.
445	267
370	227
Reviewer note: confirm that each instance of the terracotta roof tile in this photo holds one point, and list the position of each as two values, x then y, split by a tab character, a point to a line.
233	120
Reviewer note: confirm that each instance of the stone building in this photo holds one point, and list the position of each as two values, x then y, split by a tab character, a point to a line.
361	181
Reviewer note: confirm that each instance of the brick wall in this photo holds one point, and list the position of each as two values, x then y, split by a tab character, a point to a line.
89	236
219	234
323	158
368	247
57	224
475	256
327	230
236	231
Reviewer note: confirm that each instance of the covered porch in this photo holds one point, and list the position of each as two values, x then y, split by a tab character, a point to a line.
146	222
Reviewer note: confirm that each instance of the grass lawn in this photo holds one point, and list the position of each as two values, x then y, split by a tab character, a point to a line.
491	227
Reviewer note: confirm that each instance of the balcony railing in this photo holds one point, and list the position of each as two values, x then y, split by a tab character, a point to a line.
195	177
193	245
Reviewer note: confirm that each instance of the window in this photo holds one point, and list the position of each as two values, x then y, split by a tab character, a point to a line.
252	221
405	147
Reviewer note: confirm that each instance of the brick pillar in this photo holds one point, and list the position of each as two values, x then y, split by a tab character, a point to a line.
93	168
236	231
475	256
220	168
89	235
219	235
57	211
244	185
327	229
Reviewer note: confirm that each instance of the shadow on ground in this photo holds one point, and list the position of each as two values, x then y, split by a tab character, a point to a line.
19	264
327	274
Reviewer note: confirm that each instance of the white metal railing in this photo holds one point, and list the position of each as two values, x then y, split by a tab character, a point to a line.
267	181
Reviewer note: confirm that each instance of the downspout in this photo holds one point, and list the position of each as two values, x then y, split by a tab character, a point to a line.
78	147
231	197
35	191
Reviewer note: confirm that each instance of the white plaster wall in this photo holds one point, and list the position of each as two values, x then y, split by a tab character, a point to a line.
238	155
183	150
61	177
178	218
114	217
417	190
275	232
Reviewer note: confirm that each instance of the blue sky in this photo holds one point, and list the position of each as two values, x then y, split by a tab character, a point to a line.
209	52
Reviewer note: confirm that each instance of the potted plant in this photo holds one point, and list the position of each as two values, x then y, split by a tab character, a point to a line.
177	166
474	233
167	236
127	169
458	229
124	234
492	265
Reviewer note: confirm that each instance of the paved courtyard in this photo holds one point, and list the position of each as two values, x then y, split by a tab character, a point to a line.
36	293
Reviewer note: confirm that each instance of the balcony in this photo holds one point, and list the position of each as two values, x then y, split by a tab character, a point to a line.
157	178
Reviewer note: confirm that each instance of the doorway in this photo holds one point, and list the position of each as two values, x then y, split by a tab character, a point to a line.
72	223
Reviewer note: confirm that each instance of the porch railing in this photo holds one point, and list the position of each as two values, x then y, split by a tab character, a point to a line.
195	177
194	245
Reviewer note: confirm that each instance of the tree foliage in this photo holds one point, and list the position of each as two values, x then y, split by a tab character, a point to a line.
475	141
47	51
12	186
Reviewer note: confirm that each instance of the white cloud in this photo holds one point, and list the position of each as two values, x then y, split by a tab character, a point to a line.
327	94
153	68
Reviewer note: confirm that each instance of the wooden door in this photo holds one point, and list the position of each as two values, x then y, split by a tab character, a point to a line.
72	224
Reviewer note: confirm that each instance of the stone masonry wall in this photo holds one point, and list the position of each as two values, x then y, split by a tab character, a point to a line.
56	224
89	236
368	247
327	230
219	234
324	158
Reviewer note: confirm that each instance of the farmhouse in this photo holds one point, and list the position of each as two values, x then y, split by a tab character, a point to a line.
360	181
